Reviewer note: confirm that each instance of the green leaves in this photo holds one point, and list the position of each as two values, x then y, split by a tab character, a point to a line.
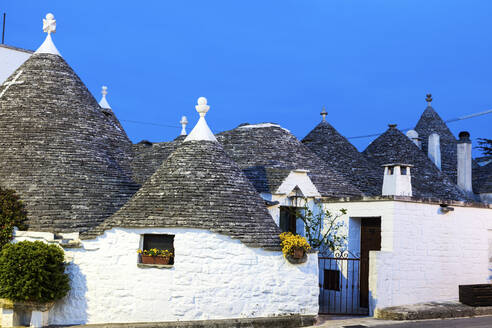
12	213
324	230
33	271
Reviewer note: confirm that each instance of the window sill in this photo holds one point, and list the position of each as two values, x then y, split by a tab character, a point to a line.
158	266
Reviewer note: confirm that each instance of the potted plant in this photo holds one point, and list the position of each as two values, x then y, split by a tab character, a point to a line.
293	245
155	256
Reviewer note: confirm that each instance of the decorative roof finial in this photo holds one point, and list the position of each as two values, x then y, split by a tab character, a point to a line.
324	113
104	103
49	24
428	99
183	123
202	107
201	131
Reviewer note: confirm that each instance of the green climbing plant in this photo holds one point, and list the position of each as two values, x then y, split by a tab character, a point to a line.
323	229
12	214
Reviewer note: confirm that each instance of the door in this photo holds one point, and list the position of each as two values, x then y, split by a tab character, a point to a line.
370	240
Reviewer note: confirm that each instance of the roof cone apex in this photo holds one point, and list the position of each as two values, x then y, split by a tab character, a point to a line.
104	103
201	131
48	47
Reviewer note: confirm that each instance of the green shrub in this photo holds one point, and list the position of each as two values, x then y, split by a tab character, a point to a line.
12	213
32	272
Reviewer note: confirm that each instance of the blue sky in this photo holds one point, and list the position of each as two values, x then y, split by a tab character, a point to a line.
369	62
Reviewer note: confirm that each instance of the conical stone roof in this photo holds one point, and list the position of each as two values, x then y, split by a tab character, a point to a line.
267	152
333	148
148	157
430	122
199	186
427	181
57	150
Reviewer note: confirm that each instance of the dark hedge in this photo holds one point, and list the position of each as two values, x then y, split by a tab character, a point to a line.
33	272
12	213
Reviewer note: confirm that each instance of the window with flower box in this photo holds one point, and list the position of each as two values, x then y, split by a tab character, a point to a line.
159	242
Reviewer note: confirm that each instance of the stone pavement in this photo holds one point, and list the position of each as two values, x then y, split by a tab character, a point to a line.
332	321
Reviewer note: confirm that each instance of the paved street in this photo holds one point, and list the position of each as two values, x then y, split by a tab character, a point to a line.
360	322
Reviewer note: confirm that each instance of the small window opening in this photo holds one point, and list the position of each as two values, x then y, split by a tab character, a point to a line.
404	170
391	170
288	219
160	242
331	280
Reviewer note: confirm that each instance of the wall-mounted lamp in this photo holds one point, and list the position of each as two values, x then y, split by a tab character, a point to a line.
445	208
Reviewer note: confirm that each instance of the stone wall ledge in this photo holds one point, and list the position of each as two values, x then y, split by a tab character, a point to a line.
158	266
284	321
431	310
434	201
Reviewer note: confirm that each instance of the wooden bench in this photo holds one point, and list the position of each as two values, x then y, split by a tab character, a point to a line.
476	295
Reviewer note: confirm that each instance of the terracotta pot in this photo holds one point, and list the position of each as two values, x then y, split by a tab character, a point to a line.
148	259
298	253
161	260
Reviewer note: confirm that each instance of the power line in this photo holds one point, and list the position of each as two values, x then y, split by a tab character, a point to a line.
466	117
447	121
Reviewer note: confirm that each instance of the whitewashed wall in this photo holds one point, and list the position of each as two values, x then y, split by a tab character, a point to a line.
425	254
214	277
10	60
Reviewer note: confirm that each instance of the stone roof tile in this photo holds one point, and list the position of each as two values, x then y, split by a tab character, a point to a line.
333	148
199	186
427	181
267	151
58	150
430	122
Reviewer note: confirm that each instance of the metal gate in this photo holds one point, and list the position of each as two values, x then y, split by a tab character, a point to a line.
340	286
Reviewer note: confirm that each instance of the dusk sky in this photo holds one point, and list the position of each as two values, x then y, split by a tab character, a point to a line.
369	62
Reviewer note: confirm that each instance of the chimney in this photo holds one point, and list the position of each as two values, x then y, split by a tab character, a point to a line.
397	180
414	136
465	162
434	149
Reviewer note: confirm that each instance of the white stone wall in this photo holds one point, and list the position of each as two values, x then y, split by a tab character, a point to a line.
425	254
10	60
214	277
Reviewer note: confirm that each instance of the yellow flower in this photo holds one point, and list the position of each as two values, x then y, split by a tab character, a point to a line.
290	242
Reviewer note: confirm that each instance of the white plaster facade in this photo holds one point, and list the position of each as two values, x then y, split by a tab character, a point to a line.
425	253
10	59
213	277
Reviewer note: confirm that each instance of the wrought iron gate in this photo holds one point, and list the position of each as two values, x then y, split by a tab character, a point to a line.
341	291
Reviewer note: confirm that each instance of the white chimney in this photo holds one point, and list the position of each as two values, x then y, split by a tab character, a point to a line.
414	136
465	162
397	180
434	149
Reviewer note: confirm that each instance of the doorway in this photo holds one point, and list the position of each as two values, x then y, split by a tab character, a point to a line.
370	240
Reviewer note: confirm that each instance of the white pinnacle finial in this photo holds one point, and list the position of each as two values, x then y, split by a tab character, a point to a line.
202	107
104	103
201	131
183	123
49	26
